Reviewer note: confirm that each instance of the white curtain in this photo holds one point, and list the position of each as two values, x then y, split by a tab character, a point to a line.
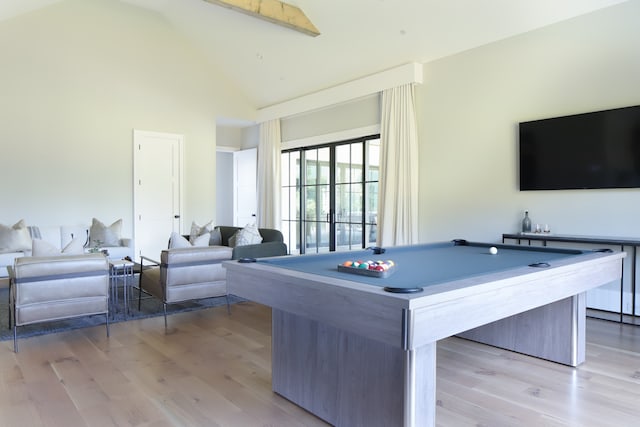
398	197
269	185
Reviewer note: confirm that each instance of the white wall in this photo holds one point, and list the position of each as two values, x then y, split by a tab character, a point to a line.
468	113
358	113
77	78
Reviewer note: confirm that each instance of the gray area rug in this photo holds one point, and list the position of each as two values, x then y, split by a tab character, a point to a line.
151	307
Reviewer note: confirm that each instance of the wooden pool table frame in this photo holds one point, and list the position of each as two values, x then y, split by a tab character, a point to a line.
355	355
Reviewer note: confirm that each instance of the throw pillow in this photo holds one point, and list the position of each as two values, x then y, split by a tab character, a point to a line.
249	235
15	238
197	230
177	241
43	248
100	235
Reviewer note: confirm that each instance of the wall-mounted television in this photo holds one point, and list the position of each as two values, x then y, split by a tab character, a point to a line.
584	151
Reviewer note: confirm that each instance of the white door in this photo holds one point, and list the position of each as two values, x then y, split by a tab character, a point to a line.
224	187
157	182
245	165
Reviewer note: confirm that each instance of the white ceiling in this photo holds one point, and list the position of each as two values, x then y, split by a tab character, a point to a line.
358	37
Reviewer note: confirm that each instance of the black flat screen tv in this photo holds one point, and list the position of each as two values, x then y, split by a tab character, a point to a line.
583	151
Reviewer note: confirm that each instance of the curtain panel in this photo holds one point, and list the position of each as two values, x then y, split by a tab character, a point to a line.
269	184
398	197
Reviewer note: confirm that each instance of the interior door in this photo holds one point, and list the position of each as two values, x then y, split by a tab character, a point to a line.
157	190
245	204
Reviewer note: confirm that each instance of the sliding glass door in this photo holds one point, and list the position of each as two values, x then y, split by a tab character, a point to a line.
330	196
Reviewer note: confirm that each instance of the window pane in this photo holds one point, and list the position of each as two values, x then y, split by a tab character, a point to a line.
343	164
343	200
356	203
323	228
323	165
311	167
323	202
284	164
310	212
356	162
373	160
372	235
309	235
285	200
294	168
293	241
372	202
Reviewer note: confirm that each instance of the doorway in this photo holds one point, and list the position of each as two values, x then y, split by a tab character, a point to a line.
157	190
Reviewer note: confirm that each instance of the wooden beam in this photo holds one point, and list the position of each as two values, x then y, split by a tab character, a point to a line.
274	11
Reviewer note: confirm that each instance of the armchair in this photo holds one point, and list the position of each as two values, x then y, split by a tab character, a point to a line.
184	274
58	287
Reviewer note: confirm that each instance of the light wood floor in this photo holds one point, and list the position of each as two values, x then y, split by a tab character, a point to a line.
212	369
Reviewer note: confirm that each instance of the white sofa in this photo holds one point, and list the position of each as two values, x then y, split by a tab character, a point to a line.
60	237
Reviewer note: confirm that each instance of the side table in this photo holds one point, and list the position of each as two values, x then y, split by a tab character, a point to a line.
120	269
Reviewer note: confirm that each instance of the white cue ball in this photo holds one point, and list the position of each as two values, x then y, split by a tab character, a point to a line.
493	250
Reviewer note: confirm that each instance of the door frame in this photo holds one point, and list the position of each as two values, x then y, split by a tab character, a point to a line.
137	135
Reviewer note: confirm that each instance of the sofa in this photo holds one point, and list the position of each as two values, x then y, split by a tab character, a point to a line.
272	243
261	243
58	237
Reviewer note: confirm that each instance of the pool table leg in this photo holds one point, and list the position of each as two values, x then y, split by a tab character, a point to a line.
555	332
350	380
420	386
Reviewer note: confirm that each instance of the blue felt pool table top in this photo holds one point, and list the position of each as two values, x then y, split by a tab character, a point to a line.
419	266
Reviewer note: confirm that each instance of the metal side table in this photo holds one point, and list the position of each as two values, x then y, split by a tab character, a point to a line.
120	270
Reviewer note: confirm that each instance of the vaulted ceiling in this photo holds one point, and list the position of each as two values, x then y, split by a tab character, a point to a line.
357	38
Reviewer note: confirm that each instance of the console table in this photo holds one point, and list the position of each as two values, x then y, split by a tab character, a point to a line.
631	242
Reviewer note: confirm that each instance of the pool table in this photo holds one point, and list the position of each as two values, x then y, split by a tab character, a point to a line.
355	354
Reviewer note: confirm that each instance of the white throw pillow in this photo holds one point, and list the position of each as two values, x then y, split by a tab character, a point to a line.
15	238
177	241
74	247
102	236
44	248
249	235
197	231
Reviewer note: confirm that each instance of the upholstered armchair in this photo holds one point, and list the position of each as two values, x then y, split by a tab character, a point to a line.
52	288
185	274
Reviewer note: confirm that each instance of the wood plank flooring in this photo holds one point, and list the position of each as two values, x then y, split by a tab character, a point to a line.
212	369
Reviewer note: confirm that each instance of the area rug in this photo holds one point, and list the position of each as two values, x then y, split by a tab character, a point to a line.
151	307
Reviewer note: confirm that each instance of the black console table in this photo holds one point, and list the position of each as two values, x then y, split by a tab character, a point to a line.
623	242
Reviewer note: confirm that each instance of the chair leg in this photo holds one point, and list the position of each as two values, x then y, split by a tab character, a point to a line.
228	305
15	338
164	307
9	304
107	323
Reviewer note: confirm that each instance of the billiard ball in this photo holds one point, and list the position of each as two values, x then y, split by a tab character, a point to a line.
493	250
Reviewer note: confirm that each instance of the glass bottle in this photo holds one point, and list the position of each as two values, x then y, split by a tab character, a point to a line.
526	223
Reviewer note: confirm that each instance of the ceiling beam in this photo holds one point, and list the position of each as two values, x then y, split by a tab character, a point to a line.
274	11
